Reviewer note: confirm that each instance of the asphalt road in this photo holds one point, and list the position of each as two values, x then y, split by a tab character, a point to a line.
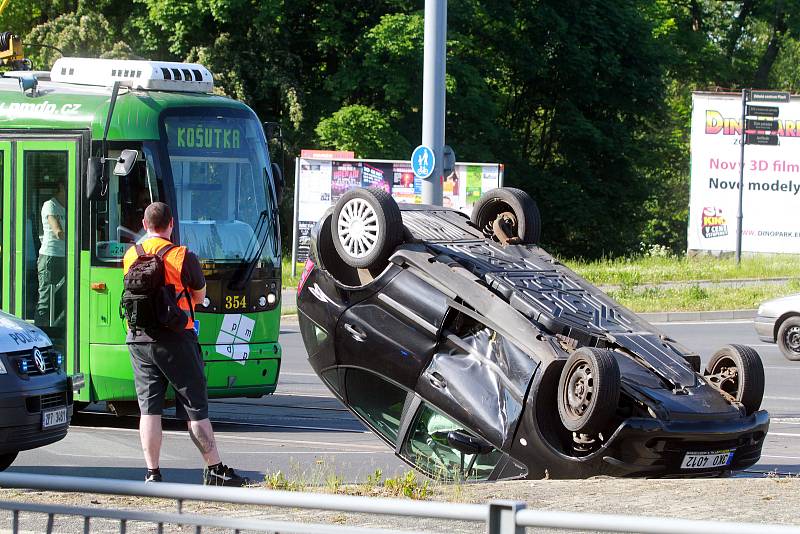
306	434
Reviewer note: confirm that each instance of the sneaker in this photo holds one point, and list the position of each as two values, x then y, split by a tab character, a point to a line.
153	477
223	476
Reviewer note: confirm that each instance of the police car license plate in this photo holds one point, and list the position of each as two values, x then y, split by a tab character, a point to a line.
706	460
56	417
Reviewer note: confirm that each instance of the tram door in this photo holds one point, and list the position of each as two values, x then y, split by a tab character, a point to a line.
5	209
43	270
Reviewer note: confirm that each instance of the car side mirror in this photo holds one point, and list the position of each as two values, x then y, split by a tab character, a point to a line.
467	444
95	180
277	175
125	162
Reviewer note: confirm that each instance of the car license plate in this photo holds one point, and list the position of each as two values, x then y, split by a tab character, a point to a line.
56	417
706	460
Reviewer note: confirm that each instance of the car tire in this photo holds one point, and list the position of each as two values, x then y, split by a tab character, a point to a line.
748	385
366	227
7	459
588	390
509	199
788	338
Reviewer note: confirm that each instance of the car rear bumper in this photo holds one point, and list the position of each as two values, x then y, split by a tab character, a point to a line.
765	328
649	447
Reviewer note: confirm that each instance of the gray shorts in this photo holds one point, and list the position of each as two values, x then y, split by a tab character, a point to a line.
177	363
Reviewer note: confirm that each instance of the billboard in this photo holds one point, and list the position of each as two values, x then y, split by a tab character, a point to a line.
322	177
771	192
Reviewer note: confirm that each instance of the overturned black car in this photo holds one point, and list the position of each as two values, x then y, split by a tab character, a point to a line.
477	356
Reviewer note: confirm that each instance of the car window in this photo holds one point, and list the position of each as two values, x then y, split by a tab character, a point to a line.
377	400
430	446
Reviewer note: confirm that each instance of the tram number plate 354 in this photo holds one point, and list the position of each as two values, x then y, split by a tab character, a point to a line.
56	417
707	460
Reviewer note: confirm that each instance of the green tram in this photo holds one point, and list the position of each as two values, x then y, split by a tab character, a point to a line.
102	139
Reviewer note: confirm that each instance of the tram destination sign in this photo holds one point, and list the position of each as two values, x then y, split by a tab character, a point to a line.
761	125
761	139
769	96
762	111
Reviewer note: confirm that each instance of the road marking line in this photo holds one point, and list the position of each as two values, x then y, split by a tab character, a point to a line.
298	374
782	368
698	323
786	420
224	435
773	456
782	398
385	451
763	345
784	434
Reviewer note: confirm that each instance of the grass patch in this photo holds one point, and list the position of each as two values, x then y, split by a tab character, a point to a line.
651	269
287	280
322	477
697	298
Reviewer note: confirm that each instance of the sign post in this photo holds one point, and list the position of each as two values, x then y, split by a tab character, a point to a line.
750	127
433	96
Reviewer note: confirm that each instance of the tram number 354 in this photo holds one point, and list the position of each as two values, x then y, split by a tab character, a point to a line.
235	302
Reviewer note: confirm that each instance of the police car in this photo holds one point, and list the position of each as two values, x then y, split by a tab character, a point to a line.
35	391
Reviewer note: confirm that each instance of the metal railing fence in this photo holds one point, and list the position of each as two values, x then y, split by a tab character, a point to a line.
499	517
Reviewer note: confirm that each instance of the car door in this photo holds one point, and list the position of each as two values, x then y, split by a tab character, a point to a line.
393	331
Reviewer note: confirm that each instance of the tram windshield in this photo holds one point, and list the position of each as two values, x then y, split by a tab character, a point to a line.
218	164
212	168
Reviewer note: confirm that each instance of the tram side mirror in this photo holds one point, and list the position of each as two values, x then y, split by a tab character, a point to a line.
125	162
94	179
277	175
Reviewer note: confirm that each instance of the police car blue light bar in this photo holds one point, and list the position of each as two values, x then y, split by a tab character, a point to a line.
135	74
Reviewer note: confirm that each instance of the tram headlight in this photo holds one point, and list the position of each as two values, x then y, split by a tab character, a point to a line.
262	301
206	302
271	298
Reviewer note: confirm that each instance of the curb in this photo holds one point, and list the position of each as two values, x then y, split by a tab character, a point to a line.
290	312
683	316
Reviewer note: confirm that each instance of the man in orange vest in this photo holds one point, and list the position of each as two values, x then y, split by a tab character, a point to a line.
160	356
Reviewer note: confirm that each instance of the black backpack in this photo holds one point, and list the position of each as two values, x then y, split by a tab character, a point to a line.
147	303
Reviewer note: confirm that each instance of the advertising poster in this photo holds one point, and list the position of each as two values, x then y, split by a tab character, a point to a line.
771	193
316	188
304	239
403	188
323	176
377	175
474	183
345	175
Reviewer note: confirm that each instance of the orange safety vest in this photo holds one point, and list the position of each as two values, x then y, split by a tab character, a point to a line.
173	268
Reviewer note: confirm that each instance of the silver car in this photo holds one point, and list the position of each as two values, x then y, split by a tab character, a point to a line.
778	321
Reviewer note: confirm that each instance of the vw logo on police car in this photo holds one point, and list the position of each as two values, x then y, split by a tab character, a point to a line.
38	359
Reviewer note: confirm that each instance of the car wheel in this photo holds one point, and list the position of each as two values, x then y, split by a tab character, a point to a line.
737	370
789	338
514	210
366	227
588	390
6	460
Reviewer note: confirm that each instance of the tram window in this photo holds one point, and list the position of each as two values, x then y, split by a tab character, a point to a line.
119	216
44	239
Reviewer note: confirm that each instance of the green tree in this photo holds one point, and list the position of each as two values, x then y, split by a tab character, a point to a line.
363	130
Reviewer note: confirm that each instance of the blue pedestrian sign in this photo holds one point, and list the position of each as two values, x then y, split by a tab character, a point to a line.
422	161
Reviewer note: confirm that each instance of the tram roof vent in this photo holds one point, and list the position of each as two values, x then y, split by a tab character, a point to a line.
149	75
